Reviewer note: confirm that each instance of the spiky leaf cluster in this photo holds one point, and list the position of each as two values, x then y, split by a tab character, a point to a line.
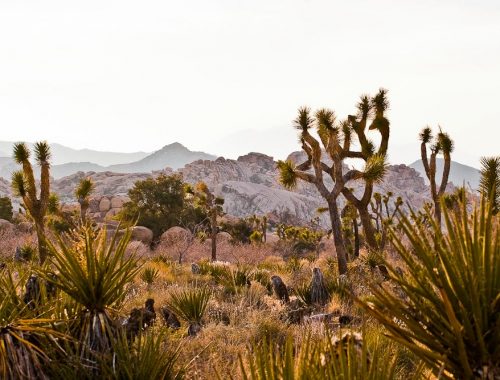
490	180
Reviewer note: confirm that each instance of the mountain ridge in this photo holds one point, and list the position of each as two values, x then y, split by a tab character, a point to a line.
174	155
459	173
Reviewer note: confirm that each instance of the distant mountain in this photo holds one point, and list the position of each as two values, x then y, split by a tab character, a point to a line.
62	154
459	173
173	155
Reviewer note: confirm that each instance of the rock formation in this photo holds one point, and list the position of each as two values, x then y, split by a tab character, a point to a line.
249	185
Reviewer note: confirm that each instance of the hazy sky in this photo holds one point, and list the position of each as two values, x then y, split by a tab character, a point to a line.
227	76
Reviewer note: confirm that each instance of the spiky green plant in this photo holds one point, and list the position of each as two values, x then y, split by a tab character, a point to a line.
449	315
149	275
145	358
190	304
343	357
24	186
25	338
489	184
82	193
303	293
93	271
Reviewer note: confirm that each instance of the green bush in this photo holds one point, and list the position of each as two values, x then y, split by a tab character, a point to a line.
6	209
300	239
160	203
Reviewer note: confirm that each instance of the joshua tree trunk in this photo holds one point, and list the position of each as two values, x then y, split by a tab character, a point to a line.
356	237
83	211
364	215
337	237
42	247
213	223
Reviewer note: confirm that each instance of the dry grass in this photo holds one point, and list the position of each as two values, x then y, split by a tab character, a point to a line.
234	321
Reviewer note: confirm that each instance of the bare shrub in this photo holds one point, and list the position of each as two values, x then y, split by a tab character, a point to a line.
10	239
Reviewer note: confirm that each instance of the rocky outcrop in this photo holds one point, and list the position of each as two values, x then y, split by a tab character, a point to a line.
249	185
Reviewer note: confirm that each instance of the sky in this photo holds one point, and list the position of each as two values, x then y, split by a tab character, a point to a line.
227	77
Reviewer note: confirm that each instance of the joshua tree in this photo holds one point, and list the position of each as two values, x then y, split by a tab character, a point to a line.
489	184
369	108
336	139
213	206
442	144
383	215
82	193
23	184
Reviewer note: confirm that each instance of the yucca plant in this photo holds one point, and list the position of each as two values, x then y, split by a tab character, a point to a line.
93	271
25	341
333	357
149	275
233	279
145	358
489	185
450	313
303	293
190	304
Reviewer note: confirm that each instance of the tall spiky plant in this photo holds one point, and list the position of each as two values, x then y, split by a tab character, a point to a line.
373	109
93	271
24	186
444	145
449	313
335	140
489	184
82	193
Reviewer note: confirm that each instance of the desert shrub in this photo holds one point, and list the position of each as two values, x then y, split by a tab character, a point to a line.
26	252
270	330
449	314
6	209
298	240
256	237
240	231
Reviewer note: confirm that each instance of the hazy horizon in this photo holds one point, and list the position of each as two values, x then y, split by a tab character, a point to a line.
226	78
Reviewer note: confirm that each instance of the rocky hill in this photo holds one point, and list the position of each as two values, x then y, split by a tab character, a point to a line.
249	186
173	155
